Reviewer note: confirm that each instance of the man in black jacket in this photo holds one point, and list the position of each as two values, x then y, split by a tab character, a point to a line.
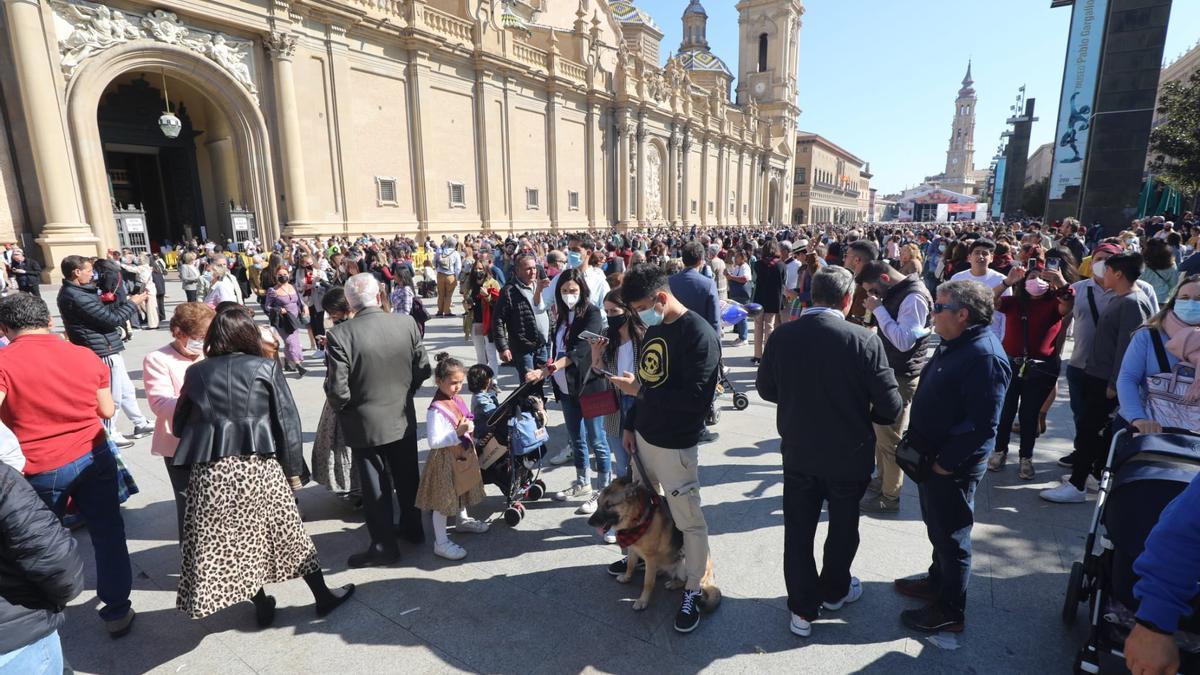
94	324
826	437
27	271
520	320
40	572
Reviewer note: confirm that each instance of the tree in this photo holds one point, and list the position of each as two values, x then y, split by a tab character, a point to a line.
1033	199
1175	143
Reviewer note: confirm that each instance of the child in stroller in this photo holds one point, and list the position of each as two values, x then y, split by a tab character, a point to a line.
513	441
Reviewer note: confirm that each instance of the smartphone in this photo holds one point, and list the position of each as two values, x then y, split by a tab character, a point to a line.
605	373
1053	263
591	337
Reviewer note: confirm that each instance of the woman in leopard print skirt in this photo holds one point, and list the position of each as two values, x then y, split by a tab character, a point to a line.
239	433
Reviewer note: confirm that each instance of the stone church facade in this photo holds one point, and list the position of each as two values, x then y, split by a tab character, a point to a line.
381	116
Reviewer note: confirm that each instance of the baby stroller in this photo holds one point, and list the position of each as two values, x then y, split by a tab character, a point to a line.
1142	475
731	313
510	456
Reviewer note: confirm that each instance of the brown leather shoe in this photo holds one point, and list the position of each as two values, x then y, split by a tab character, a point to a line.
916	587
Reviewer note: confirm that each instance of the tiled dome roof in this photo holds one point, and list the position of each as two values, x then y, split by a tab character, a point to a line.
627	12
700	59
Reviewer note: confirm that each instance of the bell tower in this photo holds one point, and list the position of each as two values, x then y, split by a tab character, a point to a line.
960	158
768	56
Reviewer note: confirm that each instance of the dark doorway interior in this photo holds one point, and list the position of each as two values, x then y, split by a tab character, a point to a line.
145	168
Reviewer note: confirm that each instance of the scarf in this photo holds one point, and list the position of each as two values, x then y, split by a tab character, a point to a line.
1184	343
630	536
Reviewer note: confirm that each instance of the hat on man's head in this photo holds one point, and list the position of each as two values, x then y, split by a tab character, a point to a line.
1111	249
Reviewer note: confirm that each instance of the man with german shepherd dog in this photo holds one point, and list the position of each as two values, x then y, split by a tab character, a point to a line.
677	375
827	439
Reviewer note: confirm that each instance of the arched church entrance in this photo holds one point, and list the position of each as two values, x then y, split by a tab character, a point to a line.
144	188
773	202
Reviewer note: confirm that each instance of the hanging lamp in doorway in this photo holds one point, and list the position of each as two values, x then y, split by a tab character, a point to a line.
168	122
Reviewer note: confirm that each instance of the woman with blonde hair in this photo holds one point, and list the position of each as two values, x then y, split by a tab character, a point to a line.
910	259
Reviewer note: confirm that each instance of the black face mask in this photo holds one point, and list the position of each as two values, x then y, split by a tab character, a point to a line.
616	322
282	280
480	276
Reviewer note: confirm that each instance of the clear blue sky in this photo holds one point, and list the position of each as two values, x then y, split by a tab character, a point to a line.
879	77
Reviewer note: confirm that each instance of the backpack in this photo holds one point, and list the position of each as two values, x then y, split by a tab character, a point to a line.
525	434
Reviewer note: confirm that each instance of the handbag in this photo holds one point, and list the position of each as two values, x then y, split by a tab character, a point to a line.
1165	391
914	457
467	474
598	403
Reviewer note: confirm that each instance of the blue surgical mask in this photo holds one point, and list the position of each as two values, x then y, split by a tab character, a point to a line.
651	316
574	259
1188	311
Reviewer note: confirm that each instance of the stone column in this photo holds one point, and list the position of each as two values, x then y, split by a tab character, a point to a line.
481	151
553	105
623	177
64	232
641	170
686	207
672	176
282	48
589	169
702	207
722	203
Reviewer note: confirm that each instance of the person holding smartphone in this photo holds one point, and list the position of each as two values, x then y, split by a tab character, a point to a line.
616	352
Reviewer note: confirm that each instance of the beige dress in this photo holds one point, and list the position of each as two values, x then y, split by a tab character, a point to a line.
436	491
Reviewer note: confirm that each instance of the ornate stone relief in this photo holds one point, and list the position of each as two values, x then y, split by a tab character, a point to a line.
654	185
86	29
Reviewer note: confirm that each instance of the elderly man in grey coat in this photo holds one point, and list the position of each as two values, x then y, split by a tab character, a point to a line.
376	362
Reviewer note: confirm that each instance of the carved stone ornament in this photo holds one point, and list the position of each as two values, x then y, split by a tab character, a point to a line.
656	86
280	45
91	28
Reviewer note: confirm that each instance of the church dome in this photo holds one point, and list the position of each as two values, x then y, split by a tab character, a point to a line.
694	7
702	60
627	12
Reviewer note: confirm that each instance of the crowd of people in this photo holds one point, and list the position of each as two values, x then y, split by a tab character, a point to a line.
940	341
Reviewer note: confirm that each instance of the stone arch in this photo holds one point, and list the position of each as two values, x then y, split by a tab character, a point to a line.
656	181
774	201
249	129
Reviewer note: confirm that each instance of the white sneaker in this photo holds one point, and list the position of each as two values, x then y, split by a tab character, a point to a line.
565	455
855	592
738	343
589	507
1093	485
449	550
1064	494
610	537
577	490
473	526
800	626
119	440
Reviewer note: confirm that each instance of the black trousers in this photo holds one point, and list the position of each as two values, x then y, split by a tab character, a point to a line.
948	509
179	476
803	495
1023	402
1092	430
385	471
162	307
190	294
317	320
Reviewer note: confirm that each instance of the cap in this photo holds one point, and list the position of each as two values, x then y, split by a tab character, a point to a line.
1111	249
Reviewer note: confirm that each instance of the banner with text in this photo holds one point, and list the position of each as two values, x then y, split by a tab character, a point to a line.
1078	95
998	197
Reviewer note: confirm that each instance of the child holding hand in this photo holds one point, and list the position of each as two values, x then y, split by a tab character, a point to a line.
448	426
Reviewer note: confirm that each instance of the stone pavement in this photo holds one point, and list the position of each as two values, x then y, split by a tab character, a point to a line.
536	598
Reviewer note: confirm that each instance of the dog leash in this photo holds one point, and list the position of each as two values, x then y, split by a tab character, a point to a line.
642	477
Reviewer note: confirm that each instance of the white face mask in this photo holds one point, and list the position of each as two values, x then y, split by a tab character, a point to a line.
570	300
195	346
1098	269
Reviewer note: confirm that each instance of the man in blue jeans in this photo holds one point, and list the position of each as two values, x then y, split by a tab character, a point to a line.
954	415
53	395
521	319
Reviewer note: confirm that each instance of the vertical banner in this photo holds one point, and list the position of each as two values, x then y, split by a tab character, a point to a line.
1078	95
998	196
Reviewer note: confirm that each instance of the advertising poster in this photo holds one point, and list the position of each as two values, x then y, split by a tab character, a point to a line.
1078	95
998	198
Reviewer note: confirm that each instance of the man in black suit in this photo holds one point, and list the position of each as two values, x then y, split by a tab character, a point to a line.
826	437
376	362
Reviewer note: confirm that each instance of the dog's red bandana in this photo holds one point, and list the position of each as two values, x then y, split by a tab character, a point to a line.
630	536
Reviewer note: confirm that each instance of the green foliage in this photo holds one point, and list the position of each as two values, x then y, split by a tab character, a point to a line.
1175	144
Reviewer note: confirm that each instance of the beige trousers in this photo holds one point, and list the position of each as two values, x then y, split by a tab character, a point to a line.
677	472
890	477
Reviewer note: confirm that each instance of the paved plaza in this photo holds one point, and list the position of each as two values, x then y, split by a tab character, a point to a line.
536	598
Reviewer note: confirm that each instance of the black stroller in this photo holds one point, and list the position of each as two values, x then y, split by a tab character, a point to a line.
510	456
1142	475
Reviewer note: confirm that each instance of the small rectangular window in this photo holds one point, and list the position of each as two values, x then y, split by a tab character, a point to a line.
710	208
458	195
572	200
531	199
385	191
693	206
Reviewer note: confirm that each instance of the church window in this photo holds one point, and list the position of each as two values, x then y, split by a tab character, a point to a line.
762	53
531	199
693	206
711	208
800	175
458	195
572	200
385	191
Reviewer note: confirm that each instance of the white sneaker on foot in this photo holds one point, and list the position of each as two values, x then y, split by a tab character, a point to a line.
1093	485
610	537
738	343
801	627
471	525
565	455
589	507
577	490
1064	494
855	592
449	550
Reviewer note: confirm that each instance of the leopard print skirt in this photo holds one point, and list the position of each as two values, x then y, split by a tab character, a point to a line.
241	531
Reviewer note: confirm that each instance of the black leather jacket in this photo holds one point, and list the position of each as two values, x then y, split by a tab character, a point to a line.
91	323
234	405
40	568
513	323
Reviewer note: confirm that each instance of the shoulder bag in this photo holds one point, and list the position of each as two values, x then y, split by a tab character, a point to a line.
1165	391
598	403
467	475
914	457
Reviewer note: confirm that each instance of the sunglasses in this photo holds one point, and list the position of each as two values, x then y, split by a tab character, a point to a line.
938	307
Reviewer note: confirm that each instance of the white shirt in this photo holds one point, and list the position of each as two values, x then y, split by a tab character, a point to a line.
625	358
791	275
904	330
440	431
991	279
560	348
597	285
223	291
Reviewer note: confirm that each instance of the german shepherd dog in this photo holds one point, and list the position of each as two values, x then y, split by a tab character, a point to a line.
623	506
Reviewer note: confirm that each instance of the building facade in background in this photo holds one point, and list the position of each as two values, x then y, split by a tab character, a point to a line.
1039	165
418	117
831	185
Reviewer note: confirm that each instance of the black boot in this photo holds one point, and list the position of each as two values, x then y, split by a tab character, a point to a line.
327	599
264	608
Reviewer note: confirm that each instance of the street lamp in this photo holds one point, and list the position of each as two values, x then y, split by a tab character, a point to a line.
168	122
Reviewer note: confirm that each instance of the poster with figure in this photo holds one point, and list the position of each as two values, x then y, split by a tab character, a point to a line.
1075	108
